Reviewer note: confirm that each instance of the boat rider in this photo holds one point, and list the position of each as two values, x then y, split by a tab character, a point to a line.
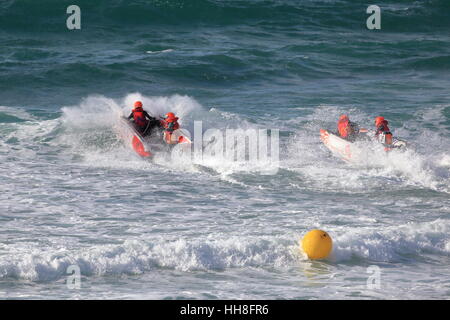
383	133
170	124
143	122
347	129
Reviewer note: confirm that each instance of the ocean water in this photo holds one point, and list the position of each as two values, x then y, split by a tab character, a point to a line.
72	193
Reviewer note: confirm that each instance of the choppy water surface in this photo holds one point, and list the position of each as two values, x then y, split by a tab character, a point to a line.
72	193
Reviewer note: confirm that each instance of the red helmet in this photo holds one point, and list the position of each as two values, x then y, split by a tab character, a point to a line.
379	121
343	117
138	104
170	115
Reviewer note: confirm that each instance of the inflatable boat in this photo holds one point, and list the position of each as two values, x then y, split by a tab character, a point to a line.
355	150
147	146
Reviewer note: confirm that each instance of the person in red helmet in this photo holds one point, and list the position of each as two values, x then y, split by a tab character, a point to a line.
143	122
383	133
170	124
347	129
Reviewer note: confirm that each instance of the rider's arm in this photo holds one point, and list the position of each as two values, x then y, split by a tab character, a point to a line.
149	117
131	115
355	127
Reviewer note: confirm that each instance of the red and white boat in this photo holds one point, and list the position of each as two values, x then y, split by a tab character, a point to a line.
355	151
147	146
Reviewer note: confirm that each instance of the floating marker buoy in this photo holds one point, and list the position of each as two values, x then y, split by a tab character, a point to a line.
317	244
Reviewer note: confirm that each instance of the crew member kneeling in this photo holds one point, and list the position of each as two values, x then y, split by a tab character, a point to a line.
170	124
382	133
143	122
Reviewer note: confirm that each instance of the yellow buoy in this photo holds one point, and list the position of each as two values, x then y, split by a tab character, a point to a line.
317	244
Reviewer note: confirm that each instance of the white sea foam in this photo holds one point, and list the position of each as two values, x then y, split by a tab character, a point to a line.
392	244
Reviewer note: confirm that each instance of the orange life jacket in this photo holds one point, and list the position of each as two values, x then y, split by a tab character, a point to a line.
344	127
139	117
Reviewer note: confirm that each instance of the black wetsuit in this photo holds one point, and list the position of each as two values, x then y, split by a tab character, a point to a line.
151	125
